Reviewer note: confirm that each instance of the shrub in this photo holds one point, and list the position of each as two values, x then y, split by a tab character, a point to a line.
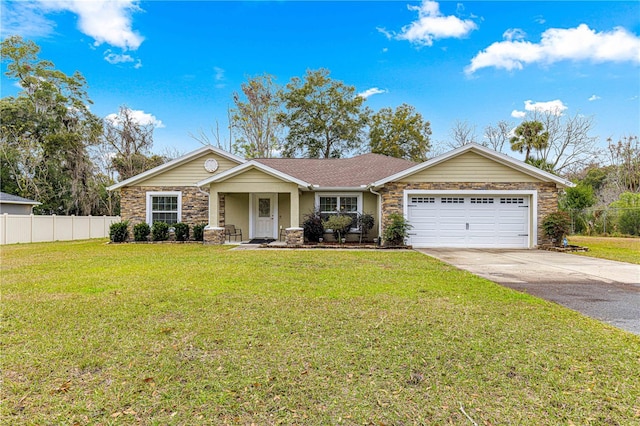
198	231
556	225
629	222
396	231
182	231
338	223
141	231
365	223
119	231
160	231
312	226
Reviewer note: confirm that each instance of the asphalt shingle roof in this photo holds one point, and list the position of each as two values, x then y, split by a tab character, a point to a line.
8	198
339	172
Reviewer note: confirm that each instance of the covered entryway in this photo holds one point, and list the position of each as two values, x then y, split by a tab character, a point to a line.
469	220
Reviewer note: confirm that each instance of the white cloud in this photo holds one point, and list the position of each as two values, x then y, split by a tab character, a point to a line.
115	58
557	44
25	19
518	114
371	92
219	77
594	98
139	117
121	58
105	21
514	34
433	25
555	107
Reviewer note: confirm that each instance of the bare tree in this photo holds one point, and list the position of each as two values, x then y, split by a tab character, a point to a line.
462	133
570	146
497	136
624	158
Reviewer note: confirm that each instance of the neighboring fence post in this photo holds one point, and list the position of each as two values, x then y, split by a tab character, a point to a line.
4	233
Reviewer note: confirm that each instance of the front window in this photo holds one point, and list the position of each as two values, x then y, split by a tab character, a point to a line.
347	204
164	207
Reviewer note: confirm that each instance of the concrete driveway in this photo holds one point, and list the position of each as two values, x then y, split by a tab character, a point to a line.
602	289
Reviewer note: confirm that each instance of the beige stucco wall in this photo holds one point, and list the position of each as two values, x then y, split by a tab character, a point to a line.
470	167
236	212
284	210
189	173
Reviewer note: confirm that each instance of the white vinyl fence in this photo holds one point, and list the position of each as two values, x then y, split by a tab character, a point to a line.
15	228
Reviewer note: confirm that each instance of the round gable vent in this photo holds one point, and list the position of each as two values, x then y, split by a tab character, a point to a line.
210	165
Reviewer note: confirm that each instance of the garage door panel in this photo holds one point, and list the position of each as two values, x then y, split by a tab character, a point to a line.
468	221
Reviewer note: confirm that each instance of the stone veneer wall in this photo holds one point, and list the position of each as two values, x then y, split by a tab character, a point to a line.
392	197
195	204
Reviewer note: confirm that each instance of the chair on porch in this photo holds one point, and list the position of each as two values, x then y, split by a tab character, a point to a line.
232	231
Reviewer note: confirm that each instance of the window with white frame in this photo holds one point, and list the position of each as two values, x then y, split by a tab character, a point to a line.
164	207
349	204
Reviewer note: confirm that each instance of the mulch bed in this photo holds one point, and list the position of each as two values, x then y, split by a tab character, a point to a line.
567	249
345	246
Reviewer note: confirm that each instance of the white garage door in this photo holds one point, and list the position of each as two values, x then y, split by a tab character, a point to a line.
469	221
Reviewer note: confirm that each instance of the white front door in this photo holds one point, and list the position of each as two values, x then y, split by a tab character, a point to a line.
264	206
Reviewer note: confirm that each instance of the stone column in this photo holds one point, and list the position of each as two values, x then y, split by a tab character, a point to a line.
294	236
214	235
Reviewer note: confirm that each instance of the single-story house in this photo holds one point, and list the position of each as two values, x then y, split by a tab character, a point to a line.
471	196
12	204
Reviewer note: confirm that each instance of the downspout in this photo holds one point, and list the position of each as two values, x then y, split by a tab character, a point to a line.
379	211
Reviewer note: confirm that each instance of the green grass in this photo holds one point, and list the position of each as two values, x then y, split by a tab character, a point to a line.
620	249
189	334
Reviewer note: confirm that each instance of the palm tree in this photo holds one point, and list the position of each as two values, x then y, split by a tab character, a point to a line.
529	135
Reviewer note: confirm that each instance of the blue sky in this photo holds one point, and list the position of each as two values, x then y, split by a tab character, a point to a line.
177	63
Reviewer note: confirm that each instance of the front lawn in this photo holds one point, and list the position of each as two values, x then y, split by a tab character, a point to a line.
190	334
620	249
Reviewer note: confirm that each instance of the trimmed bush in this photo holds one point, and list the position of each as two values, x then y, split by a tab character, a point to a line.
198	231
556	225
339	224
141	231
312	226
396	231
629	222
365	223
119	231
160	231
182	231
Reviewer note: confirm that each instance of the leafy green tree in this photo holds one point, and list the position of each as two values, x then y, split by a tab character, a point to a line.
46	132
255	118
529	135
579	197
324	117
402	133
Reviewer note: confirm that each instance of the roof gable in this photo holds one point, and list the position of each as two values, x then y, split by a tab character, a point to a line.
251	166
486	153
206	150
